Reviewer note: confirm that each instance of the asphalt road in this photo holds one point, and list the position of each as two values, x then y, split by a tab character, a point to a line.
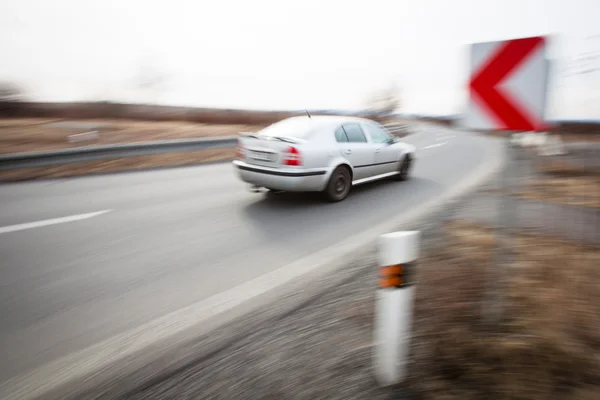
170	238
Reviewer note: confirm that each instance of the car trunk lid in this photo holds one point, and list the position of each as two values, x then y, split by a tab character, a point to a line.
268	151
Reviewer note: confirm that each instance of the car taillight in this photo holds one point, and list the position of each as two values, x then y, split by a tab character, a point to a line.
292	157
239	151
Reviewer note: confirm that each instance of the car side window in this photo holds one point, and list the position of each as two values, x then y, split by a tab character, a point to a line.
340	135
354	133
378	134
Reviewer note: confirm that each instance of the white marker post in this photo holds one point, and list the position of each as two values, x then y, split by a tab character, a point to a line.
398	253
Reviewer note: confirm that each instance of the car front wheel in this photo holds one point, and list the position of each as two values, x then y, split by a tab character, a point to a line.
339	185
404	169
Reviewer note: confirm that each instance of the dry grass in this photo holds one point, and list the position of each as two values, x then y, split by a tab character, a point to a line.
563	168
572	190
121	164
33	134
564	183
548	349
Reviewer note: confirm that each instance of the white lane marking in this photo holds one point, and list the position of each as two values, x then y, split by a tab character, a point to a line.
53	221
431	146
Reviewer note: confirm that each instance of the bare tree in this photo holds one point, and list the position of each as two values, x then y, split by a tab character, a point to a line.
385	102
10	93
11	99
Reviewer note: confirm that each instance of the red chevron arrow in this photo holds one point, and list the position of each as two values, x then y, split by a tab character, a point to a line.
497	103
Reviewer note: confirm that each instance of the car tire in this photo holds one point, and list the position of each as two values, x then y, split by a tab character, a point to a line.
339	185
404	168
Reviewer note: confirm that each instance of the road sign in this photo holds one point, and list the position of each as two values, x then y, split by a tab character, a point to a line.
508	85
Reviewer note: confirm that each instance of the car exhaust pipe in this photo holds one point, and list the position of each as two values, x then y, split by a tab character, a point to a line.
255	188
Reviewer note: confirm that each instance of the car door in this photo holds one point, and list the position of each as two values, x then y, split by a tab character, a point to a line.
386	154
356	149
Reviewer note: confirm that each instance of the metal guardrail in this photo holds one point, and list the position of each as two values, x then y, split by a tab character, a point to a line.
94	153
106	152
397	129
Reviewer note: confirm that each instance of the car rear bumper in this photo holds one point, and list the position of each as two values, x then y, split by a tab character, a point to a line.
298	180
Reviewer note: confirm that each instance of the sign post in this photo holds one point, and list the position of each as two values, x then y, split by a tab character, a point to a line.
507	92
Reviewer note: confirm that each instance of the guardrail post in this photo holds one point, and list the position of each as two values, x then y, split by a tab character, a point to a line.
397	255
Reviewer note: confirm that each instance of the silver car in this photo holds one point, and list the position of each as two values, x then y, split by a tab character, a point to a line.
327	154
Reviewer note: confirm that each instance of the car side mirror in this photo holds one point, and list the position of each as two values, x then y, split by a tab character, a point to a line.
391	141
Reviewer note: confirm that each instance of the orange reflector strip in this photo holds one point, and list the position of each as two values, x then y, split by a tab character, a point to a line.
392	270
393	281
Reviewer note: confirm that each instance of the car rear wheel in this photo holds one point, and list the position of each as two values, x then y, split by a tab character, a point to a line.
404	169
339	185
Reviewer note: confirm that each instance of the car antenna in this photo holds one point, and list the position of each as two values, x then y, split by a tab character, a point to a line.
307	113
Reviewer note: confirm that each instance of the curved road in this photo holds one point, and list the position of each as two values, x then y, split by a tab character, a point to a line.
169	238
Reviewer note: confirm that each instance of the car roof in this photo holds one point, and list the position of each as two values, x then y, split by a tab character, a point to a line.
304	127
327	120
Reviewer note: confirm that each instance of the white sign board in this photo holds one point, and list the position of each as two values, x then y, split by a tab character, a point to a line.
508	85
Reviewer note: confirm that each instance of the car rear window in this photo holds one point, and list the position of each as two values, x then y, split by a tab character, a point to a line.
300	128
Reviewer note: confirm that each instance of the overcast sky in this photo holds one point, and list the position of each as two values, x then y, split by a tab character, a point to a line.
283	54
